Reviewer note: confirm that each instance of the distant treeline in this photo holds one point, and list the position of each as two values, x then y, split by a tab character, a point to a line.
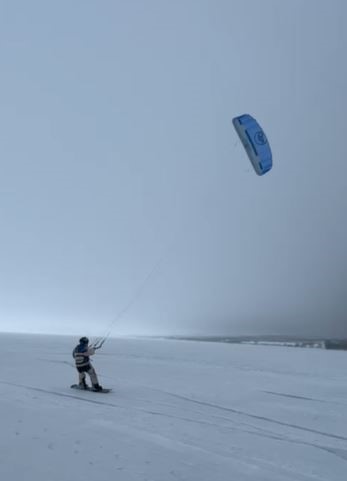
269	340
336	344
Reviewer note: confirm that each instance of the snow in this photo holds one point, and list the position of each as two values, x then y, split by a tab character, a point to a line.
179	410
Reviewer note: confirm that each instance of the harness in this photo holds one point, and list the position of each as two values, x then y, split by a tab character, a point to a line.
80	358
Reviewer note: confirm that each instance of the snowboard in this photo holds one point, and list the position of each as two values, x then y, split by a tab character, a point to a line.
77	386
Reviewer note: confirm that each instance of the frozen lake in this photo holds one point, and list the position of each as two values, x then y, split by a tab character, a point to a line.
179	410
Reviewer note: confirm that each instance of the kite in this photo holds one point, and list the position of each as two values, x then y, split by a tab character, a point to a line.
255	142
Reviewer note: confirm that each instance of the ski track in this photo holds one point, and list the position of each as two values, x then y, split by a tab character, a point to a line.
255	430
303	398
105	403
262	418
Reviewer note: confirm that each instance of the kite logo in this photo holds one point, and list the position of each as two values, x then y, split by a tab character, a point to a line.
260	138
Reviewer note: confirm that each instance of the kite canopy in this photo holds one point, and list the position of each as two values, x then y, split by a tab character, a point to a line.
255	142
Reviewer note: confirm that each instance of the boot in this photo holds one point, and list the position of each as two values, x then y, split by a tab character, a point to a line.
83	384
97	387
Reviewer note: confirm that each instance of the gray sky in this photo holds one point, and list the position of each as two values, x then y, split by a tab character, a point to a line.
117	150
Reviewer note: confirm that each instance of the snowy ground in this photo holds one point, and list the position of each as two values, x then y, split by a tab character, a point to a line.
179	410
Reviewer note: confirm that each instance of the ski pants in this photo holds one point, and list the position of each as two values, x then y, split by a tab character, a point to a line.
90	371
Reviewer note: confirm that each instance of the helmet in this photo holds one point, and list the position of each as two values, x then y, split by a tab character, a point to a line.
84	340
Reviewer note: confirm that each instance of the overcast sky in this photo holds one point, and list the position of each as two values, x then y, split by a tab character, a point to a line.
118	156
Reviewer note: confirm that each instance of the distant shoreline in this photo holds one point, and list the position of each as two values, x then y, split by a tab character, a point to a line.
271	340
265	340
